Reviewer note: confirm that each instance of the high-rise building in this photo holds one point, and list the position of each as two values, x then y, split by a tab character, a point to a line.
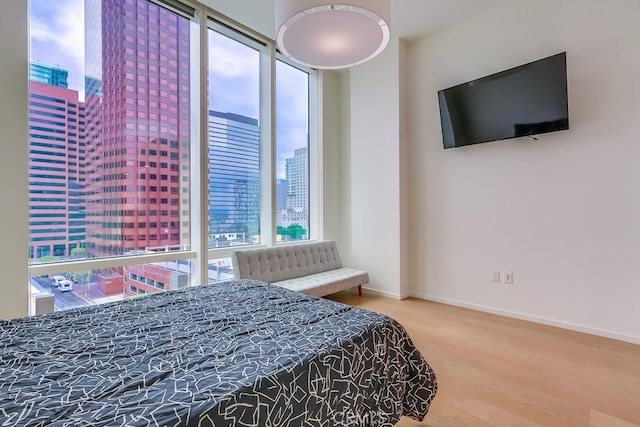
296	211
297	172
53	76
137	89
56	176
234	177
281	193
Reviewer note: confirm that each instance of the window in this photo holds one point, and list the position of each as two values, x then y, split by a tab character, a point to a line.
109	177
292	152
125	205
233	138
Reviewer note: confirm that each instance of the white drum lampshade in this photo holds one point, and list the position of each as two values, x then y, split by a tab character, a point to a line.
332	36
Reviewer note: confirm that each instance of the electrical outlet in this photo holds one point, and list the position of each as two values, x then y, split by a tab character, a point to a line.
508	277
495	275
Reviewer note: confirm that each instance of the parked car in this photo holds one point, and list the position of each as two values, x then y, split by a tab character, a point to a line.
57	280
65	285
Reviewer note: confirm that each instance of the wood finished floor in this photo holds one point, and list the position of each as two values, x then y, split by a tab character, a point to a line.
498	371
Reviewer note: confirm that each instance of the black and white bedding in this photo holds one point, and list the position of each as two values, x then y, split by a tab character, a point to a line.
238	353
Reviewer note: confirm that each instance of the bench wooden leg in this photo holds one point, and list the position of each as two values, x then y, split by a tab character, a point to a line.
360	290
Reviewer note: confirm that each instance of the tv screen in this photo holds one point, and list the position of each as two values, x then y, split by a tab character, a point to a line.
522	101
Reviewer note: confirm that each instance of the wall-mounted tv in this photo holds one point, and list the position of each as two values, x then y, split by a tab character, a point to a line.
527	100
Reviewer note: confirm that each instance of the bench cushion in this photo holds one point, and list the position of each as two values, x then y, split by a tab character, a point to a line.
278	263
327	282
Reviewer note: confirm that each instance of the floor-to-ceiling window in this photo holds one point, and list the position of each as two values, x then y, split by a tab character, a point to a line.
109	138
292	152
233	138
117	169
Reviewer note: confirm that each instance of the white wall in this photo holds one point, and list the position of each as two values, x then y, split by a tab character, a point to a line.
374	169
331	178
257	15
343	197
404	173
562	213
13	159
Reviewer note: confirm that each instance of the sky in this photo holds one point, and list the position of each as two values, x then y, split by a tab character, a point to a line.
57	39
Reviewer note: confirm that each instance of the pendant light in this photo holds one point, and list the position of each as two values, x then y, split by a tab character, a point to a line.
332	36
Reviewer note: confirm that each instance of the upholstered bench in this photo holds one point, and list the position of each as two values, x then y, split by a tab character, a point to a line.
311	268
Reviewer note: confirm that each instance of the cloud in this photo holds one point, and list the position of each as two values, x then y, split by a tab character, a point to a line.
229	58
234	85
292	98
234	81
57	37
292	106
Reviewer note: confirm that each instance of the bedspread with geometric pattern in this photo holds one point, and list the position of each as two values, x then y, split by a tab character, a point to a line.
237	353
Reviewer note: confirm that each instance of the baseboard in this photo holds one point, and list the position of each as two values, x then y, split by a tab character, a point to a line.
536	319
384	294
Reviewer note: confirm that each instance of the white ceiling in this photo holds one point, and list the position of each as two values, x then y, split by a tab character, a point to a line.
413	19
410	19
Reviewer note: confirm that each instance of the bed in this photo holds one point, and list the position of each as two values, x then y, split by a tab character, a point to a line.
237	353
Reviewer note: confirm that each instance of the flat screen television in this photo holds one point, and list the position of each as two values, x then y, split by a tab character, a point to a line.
527	100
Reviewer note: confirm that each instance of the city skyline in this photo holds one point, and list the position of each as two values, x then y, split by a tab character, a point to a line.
110	119
240	141
57	38
232	139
